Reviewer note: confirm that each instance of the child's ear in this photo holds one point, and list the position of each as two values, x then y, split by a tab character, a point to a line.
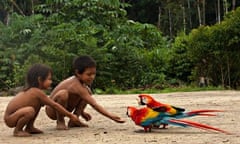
39	80
76	72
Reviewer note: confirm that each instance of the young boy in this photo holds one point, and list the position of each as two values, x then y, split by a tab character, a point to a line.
74	94
23	109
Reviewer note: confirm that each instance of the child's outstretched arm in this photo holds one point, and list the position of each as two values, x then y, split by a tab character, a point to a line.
90	100
47	101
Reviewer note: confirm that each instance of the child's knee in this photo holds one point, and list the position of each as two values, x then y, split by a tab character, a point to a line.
61	96
29	112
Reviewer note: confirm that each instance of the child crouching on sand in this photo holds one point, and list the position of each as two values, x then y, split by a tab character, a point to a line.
23	109
74	94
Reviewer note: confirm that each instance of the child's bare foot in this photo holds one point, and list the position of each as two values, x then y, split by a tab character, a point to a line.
21	134
72	124
61	126
33	130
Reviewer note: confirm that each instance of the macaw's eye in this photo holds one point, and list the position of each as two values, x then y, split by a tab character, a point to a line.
144	100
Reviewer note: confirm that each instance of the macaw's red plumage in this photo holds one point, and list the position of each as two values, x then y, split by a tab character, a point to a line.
146	99
173	111
146	118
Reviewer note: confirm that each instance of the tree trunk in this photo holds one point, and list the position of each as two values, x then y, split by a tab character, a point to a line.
159	17
222	75
225	5
170	23
218	12
228	69
233	4
204	12
199	13
190	14
184	19
4	17
17	7
32	7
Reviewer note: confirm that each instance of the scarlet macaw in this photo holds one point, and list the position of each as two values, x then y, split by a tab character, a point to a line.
146	118
173	111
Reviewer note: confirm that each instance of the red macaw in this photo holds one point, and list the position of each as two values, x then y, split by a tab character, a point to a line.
146	118
173	111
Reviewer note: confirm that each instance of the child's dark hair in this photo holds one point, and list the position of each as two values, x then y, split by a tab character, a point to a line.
34	73
82	62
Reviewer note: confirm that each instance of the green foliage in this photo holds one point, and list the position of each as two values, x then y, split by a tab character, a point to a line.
180	63
174	16
128	54
18	43
214	51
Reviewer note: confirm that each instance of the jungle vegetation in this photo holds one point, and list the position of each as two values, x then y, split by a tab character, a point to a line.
138	44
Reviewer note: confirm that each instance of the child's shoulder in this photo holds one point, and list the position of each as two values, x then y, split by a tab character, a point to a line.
31	92
70	83
34	91
71	80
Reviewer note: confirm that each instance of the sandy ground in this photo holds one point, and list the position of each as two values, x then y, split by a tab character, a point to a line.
102	130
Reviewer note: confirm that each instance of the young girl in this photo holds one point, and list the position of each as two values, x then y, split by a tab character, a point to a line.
23	109
74	94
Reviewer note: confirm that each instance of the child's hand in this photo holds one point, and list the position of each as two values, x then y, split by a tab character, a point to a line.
118	119
86	116
73	122
75	119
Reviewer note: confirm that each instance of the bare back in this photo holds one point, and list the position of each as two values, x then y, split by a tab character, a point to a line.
72	86
24	99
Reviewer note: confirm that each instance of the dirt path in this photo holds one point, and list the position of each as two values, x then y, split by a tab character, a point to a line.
104	131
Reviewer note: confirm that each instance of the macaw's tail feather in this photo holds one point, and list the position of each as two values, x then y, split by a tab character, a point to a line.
202	112
186	123
197	113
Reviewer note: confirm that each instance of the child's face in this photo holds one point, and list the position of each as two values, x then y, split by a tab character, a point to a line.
88	75
46	83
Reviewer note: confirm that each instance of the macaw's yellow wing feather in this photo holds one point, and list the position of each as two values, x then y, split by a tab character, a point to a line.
152	114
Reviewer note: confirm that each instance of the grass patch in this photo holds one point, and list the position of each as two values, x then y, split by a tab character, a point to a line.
166	90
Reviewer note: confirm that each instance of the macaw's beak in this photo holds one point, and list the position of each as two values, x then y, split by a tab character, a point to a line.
127	113
139	101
